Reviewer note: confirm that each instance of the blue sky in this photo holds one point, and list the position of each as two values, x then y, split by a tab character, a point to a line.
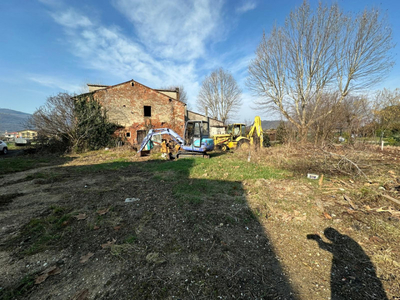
48	46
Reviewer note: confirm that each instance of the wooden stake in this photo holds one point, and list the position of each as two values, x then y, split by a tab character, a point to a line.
321	181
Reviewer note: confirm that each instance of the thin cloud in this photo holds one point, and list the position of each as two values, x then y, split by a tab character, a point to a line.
107	49
171	41
72	19
176	30
246	6
53	82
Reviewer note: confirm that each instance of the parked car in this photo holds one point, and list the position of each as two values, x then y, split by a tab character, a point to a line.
3	147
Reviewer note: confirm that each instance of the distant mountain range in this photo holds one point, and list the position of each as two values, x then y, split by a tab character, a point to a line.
12	120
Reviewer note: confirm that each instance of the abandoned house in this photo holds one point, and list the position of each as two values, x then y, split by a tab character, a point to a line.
138	108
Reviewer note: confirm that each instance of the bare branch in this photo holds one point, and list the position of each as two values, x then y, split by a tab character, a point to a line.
315	53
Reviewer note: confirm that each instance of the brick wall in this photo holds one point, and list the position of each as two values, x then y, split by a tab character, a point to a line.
125	105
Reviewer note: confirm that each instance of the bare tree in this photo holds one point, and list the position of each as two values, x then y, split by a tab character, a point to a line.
386	109
317	52
348	116
56	118
78	121
220	96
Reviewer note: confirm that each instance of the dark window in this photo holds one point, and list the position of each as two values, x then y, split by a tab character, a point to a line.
128	134
147	111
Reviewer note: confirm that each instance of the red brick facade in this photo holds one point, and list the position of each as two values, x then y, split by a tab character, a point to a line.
125	104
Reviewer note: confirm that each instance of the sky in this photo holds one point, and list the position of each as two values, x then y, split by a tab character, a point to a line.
52	46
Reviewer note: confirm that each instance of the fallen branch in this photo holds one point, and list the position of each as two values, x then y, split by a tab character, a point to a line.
348	160
391	198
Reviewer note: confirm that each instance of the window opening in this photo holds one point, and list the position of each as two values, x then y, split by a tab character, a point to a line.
147	111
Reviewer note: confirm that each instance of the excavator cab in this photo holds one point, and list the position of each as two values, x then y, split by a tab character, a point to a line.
197	137
236	130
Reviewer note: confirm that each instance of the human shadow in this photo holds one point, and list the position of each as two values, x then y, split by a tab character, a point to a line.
353	275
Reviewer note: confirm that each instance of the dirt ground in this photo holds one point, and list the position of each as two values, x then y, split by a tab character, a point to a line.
67	231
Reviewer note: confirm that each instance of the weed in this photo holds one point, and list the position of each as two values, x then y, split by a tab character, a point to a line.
130	239
38	234
117	250
22	287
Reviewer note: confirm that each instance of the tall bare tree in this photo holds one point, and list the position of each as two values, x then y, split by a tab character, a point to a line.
317	52
219	95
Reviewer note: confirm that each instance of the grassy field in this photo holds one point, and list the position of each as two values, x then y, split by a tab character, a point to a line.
228	227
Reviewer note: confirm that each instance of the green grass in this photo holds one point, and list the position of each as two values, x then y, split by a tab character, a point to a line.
130	239
45	177
197	179
224	167
25	284
18	164
42	232
109	166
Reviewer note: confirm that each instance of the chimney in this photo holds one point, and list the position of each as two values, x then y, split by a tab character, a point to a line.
207	112
178	94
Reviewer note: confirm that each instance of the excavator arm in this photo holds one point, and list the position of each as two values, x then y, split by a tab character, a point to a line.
256	128
160	131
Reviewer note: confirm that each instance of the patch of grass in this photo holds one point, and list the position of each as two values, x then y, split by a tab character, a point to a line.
118	250
39	234
18	164
44	178
223	167
22	287
198	179
38	175
110	166
131	239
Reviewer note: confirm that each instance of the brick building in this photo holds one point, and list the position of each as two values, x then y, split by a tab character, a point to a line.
138	108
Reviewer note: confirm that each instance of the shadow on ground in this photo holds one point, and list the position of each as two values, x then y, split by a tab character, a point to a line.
353	275
179	238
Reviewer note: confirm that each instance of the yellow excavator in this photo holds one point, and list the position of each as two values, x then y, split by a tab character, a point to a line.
236	137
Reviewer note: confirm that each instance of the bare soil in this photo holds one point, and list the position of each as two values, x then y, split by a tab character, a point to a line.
66	231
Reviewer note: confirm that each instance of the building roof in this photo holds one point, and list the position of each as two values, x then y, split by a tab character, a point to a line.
99	85
204	116
106	87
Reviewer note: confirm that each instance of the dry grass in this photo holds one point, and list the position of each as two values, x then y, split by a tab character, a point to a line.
208	221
